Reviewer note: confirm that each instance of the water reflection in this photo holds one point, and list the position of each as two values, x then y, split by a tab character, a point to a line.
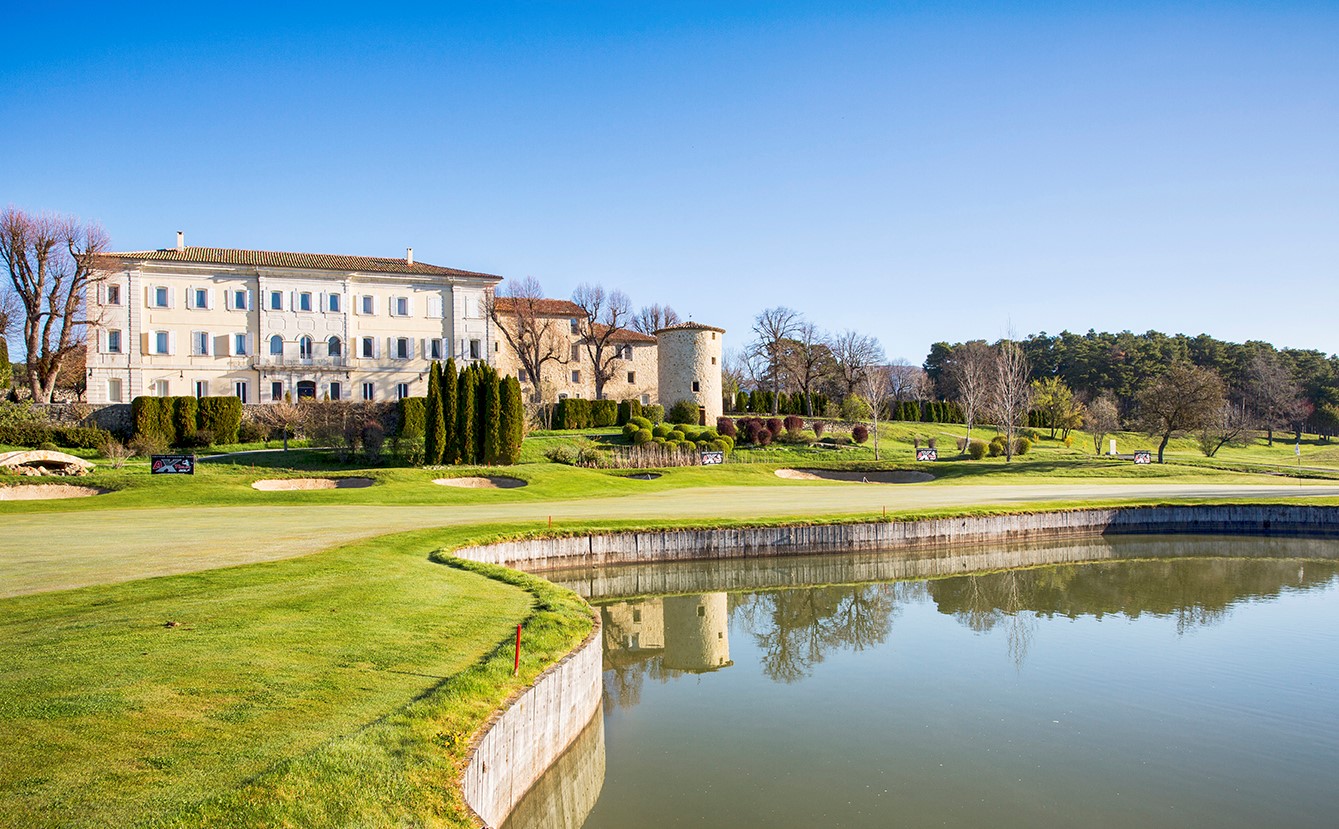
565	795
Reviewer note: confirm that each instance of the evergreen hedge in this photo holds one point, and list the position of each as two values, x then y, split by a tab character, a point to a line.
511	421
627	410
434	431
413	411
221	417
572	413
448	380
604	412
465	402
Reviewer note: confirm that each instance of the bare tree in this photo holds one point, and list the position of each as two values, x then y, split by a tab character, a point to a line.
854	353
734	373
1231	425
876	383
52	261
970	369
1182	400
807	360
1101	419
284	415
606	316
1275	396
535	336
652	318
907	382
1010	393
771	329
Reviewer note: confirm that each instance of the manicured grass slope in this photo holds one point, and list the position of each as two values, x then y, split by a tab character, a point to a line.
290	678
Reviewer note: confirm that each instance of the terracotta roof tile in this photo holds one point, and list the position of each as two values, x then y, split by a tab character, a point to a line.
691	326
543	307
279	259
627	335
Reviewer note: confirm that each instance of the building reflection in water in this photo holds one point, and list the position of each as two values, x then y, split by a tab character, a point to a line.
662	638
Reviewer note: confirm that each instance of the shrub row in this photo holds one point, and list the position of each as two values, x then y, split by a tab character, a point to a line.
186	421
579	413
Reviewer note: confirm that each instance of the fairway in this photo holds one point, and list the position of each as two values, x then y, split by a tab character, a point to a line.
44	551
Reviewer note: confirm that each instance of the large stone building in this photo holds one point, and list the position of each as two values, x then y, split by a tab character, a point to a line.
261	325
265	325
557	326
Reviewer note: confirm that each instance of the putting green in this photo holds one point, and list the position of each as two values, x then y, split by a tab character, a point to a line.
56	551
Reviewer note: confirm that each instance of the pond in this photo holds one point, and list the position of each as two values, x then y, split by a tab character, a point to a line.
1171	681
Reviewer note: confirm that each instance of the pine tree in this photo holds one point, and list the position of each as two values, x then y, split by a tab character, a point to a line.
511	422
450	450
465	394
490	406
433	437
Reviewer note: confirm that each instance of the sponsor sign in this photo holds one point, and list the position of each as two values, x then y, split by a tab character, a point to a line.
1143	457
927	454
172	465
713	458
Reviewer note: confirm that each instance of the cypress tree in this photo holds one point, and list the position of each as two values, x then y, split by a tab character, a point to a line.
450	451
511	421
6	369
433	437
490	415
465	416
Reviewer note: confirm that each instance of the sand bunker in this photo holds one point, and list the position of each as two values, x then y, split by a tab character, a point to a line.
872	477
643	476
284	484
481	483
47	492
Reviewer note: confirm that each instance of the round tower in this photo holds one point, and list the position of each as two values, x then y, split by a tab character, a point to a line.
688	367
697	633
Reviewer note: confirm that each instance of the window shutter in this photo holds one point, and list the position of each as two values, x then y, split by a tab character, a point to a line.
172	342
376	348
227	299
190	298
171	298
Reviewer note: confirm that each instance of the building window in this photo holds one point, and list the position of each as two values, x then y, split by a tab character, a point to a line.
402	348
200	343
632	377
401	390
114	390
713	361
576	352
369	347
697	386
200	298
400	306
239	302
574	325
160	297
369	391
576	377
369	305
472	307
239	348
334	347
114	298
646	400
277	345
305	347
276	300
239	391
160	388
305	301
161	342
277	391
334	303
336	392
627	352
114	343
201	388
522	376
435	349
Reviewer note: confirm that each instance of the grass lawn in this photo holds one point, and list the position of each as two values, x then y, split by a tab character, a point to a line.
338	685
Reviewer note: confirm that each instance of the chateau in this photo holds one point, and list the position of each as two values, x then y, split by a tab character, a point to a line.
265	325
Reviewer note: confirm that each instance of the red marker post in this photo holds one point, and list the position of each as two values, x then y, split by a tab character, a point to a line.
516	669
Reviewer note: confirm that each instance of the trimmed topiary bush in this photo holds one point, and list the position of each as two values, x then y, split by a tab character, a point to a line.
222	416
660	430
641	422
676	435
654	413
1021	446
726	426
627	410
629	429
976	450
572	413
793	425
859	433
185	411
997	446
685	411
604	412
79	437
641	437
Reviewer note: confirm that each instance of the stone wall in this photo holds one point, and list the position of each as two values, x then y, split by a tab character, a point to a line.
520	744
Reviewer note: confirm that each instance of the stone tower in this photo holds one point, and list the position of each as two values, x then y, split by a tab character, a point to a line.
688	363
697	633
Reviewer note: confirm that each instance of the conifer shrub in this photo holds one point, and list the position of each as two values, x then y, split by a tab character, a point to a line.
185	411
627	410
660	430
641	422
412	417
449	382
465	401
1022	445
675	435
222	416
654	413
572	413
629	429
434	430
685	411
604	412
997	446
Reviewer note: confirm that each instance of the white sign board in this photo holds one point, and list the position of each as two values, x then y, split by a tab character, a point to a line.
713	458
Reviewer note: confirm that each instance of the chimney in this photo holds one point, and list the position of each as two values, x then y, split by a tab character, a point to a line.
181	242
409	255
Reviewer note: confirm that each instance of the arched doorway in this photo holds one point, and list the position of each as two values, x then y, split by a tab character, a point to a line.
307	389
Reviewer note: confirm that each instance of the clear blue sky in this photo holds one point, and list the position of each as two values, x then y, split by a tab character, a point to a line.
920	171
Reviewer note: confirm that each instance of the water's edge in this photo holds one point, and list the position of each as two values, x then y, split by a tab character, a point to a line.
518	745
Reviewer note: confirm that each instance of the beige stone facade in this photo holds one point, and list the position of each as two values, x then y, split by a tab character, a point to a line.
572	374
689	366
262	325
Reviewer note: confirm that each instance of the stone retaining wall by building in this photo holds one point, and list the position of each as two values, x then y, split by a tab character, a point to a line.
516	748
